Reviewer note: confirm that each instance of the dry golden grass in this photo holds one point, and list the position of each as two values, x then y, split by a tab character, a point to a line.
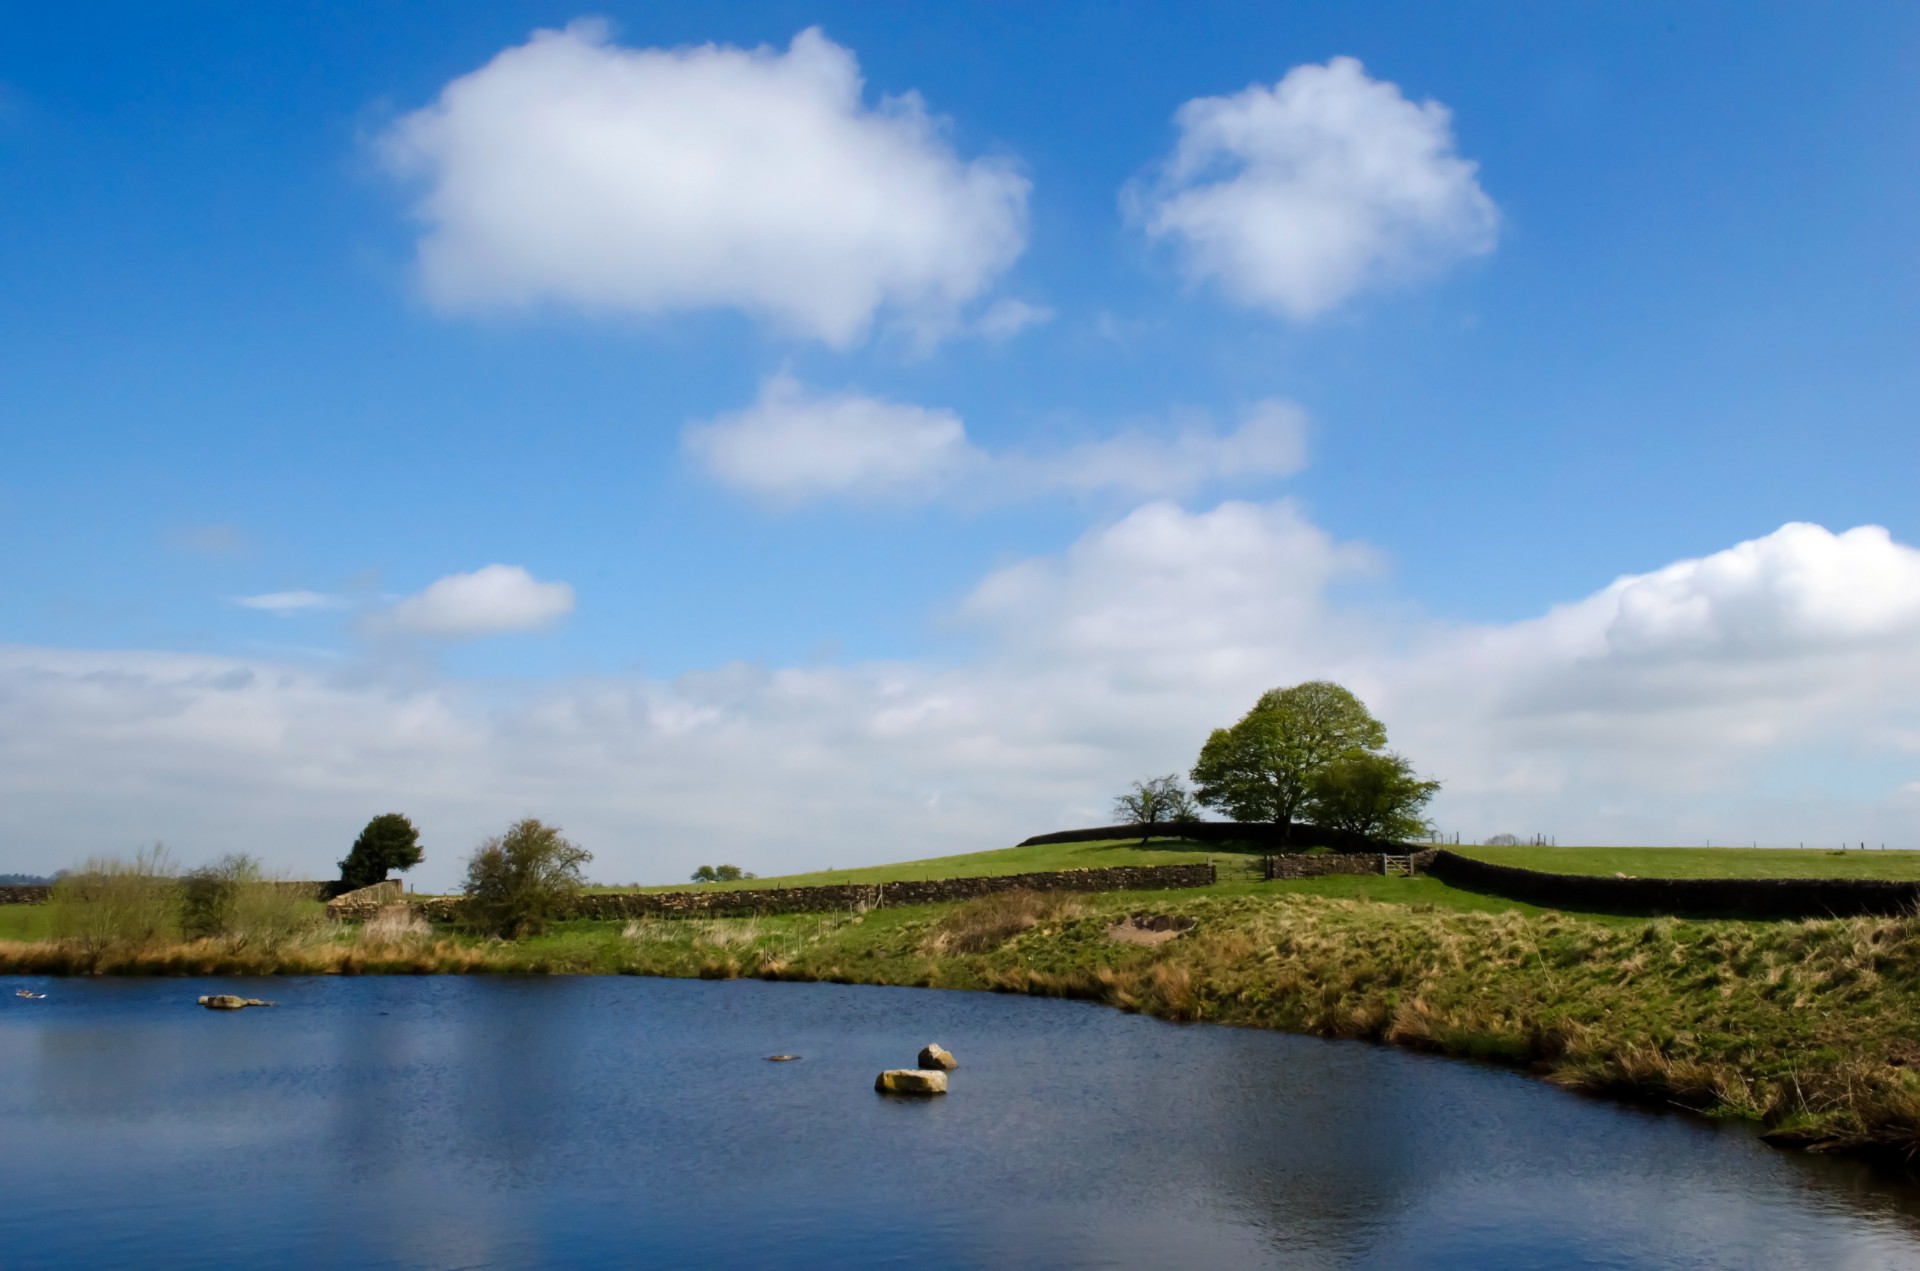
975	926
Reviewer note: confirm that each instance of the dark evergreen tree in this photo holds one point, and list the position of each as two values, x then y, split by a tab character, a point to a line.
390	842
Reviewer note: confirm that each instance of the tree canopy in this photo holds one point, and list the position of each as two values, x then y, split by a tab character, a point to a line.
1312	750
1377	795
516	883
389	842
1261	769
1155	801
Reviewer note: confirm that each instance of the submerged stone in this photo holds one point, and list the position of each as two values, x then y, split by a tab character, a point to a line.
916	1081
228	1002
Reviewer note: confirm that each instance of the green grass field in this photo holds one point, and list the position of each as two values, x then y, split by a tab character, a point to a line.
1236	866
25	922
1705	862
1010	860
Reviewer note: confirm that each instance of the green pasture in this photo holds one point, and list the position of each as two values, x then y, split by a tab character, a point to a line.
1706	862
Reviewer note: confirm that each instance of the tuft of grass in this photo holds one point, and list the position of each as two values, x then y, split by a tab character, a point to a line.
975	926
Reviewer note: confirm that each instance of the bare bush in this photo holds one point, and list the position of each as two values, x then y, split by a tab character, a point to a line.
111	904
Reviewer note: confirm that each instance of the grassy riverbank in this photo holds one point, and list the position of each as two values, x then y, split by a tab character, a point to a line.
1802	1026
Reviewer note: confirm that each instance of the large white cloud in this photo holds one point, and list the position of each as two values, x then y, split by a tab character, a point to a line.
1293	198
571	170
1106	662
792	445
492	600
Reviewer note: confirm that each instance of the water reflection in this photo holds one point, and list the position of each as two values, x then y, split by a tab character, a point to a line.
521	1122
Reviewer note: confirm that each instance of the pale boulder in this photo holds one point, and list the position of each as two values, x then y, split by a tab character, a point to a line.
918	1081
934	1055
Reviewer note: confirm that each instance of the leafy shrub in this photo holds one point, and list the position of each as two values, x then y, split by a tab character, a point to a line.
232	900
517	883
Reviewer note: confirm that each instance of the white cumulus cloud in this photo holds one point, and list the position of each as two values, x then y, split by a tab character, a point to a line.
492	600
794	446
1294	197
571	170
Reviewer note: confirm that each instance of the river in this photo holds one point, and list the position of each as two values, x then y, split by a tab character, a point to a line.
518	1122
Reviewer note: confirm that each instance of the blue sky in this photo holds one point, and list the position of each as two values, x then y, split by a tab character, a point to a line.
1661	304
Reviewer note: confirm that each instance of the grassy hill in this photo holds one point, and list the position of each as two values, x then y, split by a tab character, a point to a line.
1642	862
1041	858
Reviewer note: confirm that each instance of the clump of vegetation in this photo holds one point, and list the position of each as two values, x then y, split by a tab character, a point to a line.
1157	801
518	883
389	842
111	905
976	926
721	874
234	901
394	925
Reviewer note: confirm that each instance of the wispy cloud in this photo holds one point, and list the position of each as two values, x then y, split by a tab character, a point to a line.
795	446
291	602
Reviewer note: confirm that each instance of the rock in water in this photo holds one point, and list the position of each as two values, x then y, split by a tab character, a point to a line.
911	1081
228	1002
781	1059
934	1055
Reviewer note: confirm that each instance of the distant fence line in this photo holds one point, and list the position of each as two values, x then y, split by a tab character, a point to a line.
1258	833
760	901
1694	897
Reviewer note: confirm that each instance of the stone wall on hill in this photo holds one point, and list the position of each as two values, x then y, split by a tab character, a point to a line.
754	902
1302	865
28	895
1692	897
1259	833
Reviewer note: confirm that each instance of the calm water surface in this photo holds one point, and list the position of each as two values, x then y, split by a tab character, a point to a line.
489	1122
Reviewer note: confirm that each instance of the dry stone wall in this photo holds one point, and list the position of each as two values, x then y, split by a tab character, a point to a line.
1694	897
758	901
1263	833
364	903
29	895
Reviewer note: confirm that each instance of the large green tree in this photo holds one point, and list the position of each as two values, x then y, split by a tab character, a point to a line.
1377	795
1262	768
517	883
390	842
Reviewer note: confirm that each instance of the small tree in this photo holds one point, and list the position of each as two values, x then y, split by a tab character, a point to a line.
1372	794
516	883
1262	768
1504	840
389	842
706	874
1155	801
